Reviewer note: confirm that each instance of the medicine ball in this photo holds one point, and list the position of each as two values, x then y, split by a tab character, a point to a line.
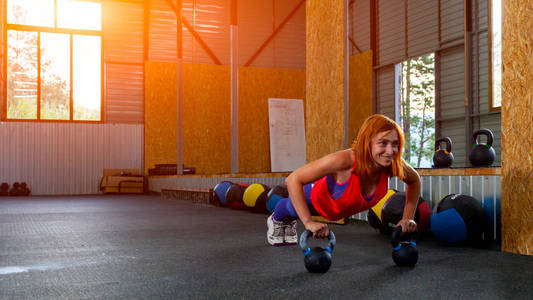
255	197
219	192
274	195
392	213
374	213
459	219
234	195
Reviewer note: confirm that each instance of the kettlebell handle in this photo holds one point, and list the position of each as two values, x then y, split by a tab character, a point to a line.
396	233
484	131
446	140
307	234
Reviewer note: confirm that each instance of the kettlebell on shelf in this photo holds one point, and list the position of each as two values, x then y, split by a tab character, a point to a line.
317	259
482	154
443	158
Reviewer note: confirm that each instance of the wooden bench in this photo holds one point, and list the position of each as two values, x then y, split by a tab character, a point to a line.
122	181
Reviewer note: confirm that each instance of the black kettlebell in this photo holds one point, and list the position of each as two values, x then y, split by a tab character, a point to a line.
24	190
317	259
405	251
482	154
15	189
443	158
4	189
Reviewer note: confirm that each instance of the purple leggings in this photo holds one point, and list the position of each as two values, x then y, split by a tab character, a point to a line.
285	211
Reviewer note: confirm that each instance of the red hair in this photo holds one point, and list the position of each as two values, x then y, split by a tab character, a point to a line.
362	146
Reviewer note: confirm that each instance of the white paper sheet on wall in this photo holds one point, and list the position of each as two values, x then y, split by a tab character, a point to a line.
287	134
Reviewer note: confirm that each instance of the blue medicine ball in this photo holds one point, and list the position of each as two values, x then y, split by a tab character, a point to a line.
274	195
219	192
459	219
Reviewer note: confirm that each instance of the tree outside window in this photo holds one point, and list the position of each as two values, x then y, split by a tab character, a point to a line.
416	105
53	60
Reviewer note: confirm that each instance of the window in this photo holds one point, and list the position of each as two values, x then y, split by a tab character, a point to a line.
54	60
415	98
496	54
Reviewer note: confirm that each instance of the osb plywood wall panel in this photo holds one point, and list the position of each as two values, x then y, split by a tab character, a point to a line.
256	85
206	118
160	111
324	77
517	113
360	105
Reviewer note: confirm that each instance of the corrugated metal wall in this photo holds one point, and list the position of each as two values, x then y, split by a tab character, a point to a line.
486	189
123	42
451	15
391	28
1	64
158	183
452	91
414	24
257	20
422	27
386	93
289	43
359	30
66	159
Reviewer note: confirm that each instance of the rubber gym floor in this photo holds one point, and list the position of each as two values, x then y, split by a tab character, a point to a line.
146	247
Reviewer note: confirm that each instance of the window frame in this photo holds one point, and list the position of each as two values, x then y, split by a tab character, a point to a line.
40	29
491	50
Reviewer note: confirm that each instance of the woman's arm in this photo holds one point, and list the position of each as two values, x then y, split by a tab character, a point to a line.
412	193
329	164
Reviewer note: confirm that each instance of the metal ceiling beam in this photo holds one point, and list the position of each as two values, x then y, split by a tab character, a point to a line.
271	37
195	34
354	44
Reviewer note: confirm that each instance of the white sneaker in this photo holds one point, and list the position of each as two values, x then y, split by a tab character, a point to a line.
275	232
291	236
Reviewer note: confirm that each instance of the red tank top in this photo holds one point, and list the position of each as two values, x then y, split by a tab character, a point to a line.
350	202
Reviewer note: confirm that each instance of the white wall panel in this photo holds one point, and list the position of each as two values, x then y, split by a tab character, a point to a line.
66	158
